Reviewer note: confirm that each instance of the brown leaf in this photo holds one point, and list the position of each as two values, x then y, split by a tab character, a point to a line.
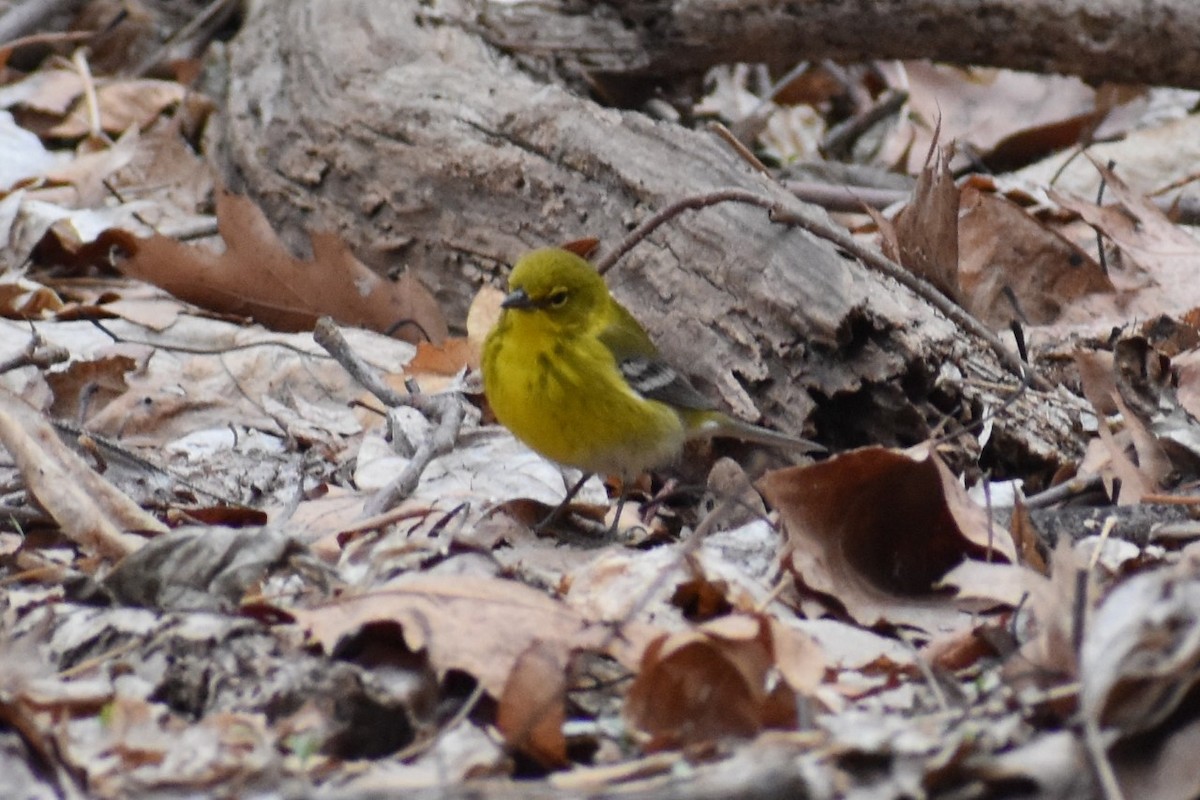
1161	766
1097	374
1158	258
582	247
877	529
257	277
926	229
1005	250
479	625
1140	657
124	104
1027	539
983	107
85	387
1047	653
703	685
442	360
91	511
532	708
21	298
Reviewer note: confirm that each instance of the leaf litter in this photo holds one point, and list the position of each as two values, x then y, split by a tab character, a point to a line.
213	609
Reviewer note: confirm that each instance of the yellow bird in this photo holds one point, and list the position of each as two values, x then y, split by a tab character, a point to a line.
574	376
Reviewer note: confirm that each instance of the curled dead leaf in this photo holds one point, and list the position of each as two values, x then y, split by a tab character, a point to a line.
92	512
877	529
257	277
1141	655
721	680
481	626
532	707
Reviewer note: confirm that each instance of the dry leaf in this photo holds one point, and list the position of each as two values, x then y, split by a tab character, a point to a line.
91	511
197	568
926	229
982	107
1046	624
1141	655
123	105
532	708
257	277
1004	250
1158	258
479	625
876	529
1097	374
483	315
711	683
83	388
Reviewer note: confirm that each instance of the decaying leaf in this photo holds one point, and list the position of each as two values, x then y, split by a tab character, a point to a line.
1007	256
984	108
1138	478
257	277
1046	625
91	511
481	626
1141	655
926	230
876	530
719	681
121	105
532	707
1158	258
197	568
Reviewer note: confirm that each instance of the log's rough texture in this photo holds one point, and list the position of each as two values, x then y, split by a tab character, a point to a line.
429	148
1125	41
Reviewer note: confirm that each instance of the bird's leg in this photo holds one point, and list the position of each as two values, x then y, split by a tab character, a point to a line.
621	498
663	494
554	516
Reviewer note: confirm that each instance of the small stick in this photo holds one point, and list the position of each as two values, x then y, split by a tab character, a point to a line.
842	239
1064	491
845	197
744	152
446	409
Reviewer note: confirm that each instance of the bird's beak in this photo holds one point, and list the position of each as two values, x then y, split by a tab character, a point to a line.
517	299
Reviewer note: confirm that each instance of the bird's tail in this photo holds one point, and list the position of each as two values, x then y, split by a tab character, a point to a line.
713	424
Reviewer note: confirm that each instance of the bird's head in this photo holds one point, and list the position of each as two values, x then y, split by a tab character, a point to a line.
556	287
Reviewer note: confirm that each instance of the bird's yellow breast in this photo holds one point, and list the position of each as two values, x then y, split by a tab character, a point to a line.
564	396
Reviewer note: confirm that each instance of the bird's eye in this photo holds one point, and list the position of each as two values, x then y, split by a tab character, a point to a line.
557	298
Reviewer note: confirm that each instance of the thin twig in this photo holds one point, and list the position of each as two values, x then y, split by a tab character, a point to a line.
922	288
1100	253
1098	757
91	102
669	212
37	353
1064	491
1110	523
11	46
210	17
69	430
446	409
842	239
735	143
926	670
416	748
845	197
843	136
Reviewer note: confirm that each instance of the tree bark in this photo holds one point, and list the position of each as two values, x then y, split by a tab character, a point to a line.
1124	41
427	148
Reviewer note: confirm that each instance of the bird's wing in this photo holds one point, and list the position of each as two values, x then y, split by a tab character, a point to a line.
642	366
